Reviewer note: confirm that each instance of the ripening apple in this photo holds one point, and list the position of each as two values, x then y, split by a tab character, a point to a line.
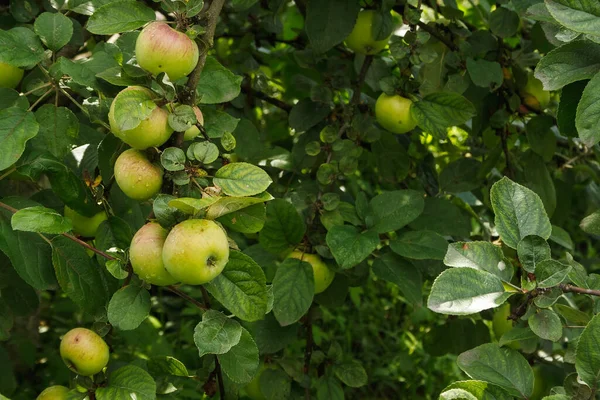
56	392
192	132
84	351
85	226
160	48
323	275
252	389
151	132
361	40
393	113
145	255
196	251
137	177
10	76
534	95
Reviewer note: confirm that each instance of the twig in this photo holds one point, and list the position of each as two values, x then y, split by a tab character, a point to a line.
36	89
574	289
220	378
187	297
8	172
308	350
429	29
361	79
40	99
247	88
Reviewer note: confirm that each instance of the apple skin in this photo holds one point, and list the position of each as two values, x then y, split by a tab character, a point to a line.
361	38
10	76
151	132
501	324
323	275
160	48
145	255
393	113
84	351
192	132
137	177
534	95
252	389
85	226
56	392
196	251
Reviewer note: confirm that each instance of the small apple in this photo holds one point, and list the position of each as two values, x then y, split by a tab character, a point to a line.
85	226
160	48
137	177
393	113
192	132
84	351
145	255
252	389
196	251
323	275
10	76
533	94
151	132
361	39
56	392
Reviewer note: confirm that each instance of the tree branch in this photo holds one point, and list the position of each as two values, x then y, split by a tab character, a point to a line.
429	29
308	350
247	88
361	79
574	289
187	297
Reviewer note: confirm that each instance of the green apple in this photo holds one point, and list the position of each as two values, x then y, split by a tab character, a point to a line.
145	255
323	275
151	132
393	113
85	226
56	392
137	177
10	76
534	95
196	251
361	40
192	132
160	48
252	389
84	351
501	324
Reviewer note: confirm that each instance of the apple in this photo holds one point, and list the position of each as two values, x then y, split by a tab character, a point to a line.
361	39
160	48
533	94
393	113
501	324
137	177
196	251
56	392
252	389
85	226
145	254
10	76
192	132
84	351
151	132
323	275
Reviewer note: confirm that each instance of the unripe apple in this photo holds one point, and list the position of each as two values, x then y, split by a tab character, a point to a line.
10	76
192	132
534	95
196	251
393	113
323	275
252	389
85	226
361	39
145	255
501	324
151	132
137	177
160	48
56	392
84	351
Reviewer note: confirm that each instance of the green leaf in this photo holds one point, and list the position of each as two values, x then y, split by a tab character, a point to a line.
587	356
591	223
394	210
17	126
129	307
305	114
550	273
241	287
54	29
571	315
216	122
504	22
58	132
275	384
217	84
455	336
516	334
464	291
226	205
192	205
293	290
271	337
329	388
442	216
473	390
532	250
546	324
126	383
241	362
248	220
519	212
328	23
400	272
119	16
131	107
588	112
500	366
561	237
166	215
485	73
420	245
438	111
349	245
577	15
182	118
567	107
205	152
242	179
40	219
351	373
483	256
167	365
571	62
20	47
540	136
216	334
173	159
461	175
284	227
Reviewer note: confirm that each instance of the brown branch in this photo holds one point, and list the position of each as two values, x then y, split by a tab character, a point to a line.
574	289
220	378
308	350
361	79
187	297
247	88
